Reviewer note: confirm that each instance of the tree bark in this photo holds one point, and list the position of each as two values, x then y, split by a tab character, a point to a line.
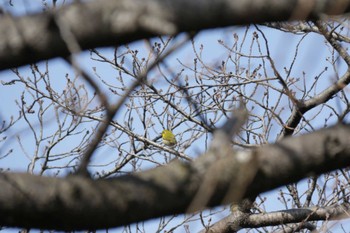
81	26
77	202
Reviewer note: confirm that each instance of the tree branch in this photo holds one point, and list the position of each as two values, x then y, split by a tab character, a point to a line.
232	223
33	38
77	202
304	106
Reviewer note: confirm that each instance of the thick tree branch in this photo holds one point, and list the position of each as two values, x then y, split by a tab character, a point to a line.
80	203
232	223
29	39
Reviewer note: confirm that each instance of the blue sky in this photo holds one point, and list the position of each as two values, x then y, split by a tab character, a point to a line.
282	46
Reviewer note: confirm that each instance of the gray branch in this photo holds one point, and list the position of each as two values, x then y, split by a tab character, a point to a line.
232	223
41	36
81	203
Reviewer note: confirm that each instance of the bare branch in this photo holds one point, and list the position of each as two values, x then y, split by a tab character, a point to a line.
145	19
302	216
287	161
306	105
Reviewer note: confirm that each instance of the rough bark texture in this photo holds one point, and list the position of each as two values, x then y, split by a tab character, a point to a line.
76	27
80	203
235	222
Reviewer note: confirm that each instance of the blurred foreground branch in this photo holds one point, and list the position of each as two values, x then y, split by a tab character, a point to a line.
77	202
37	37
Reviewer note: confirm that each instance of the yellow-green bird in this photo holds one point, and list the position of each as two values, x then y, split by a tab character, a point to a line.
168	138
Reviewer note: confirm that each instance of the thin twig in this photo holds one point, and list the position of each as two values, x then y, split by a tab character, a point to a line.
113	108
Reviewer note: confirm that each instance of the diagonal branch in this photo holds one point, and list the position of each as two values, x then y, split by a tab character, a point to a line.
36	37
112	109
77	202
304	106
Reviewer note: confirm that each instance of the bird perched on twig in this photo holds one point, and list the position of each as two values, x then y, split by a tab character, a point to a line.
168	138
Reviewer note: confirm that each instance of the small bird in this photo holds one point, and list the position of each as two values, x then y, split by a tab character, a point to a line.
168	138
